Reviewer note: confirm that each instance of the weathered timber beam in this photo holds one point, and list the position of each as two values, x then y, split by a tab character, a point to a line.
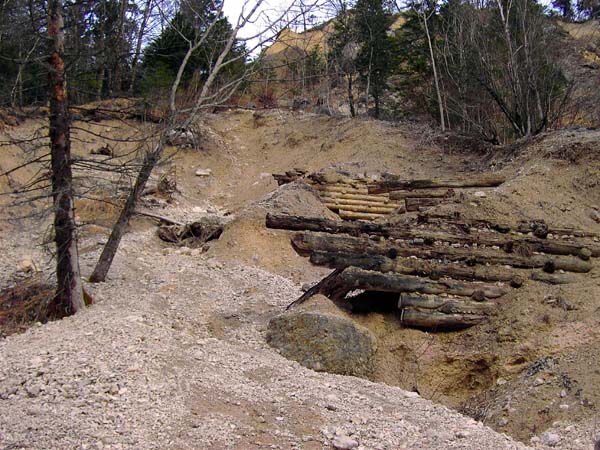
341	188
436	321
421	193
522	227
410	266
445	305
305	243
160	218
328	286
385	198
383	209
355	278
394	183
353	215
553	278
344	201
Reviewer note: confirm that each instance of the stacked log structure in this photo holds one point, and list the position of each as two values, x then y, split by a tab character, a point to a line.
366	198
448	272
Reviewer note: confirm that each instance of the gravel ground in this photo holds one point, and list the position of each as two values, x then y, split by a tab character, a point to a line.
172	355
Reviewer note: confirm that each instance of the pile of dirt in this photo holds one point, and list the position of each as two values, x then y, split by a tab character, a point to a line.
245	239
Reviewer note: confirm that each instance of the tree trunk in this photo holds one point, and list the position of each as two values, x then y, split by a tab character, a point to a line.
110	249
435	74
69	291
138	46
351	96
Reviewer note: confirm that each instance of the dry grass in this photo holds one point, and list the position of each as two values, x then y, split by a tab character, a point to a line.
24	304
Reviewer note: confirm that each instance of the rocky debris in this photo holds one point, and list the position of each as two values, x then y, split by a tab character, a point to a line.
182	137
344	443
550	439
323	342
193	234
595	215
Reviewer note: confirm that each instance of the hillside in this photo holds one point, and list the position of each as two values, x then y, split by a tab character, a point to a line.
173	355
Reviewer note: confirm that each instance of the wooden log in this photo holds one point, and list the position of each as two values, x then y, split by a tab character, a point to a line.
437	321
533	226
510	244
342	188
287	222
327	286
351	215
418	204
329	178
289	176
464	224
350	196
347	201
308	242
502	227
445	305
162	219
369	280
410	266
421	193
553	278
375	204
395	183
362	209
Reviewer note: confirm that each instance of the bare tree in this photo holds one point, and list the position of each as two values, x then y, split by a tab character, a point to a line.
179	117
422	12
69	290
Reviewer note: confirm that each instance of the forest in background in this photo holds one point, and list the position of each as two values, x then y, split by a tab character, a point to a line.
496	69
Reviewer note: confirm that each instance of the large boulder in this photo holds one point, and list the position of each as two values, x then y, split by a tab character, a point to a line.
323	342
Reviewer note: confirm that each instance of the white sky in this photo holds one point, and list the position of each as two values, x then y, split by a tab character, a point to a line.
269	9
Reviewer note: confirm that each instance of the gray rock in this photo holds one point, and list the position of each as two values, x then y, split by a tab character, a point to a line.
323	342
344	443
550	439
33	391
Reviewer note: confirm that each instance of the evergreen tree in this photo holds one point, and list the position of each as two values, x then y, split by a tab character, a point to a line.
343	49
164	55
375	56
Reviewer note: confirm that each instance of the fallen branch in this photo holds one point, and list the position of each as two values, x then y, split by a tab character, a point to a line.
163	219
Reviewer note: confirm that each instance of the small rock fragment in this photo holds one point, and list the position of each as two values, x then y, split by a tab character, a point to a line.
503	422
344	443
203	172
550	439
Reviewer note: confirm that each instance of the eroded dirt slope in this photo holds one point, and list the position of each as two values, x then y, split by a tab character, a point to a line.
173	356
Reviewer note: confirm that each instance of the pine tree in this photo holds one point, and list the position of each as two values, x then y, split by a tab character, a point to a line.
375	56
